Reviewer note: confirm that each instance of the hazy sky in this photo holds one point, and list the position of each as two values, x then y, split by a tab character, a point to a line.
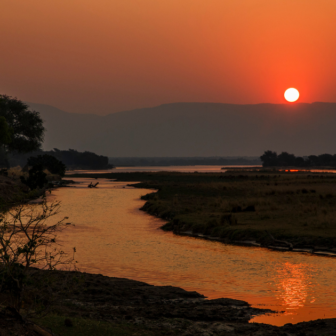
103	56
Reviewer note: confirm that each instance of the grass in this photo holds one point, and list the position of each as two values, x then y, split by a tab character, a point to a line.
13	191
87	327
243	204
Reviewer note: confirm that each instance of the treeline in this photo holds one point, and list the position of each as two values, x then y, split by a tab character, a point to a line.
272	159
71	158
184	161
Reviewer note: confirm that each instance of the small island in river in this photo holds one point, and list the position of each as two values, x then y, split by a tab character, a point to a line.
281	209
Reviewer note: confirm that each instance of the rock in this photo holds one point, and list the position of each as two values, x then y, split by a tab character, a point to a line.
226	302
219	327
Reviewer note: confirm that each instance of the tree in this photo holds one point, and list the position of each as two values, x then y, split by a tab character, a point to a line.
37	178
313	160
269	159
25	126
5	134
5	138
300	162
325	160
286	159
28	239
48	162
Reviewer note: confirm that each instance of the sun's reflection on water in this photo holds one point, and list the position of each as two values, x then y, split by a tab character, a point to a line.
292	283
295	286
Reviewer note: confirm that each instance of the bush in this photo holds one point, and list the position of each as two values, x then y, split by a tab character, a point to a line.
36	179
48	162
26	239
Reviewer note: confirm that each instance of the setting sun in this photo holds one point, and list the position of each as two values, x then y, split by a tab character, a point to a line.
292	95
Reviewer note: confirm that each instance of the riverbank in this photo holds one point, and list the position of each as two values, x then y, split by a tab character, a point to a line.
116	306
13	192
280	210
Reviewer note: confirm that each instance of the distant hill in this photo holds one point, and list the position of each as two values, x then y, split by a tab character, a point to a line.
195	129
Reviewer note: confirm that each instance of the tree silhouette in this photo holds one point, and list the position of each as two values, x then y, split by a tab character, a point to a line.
5	138
269	159
48	162
285	159
26	127
5	134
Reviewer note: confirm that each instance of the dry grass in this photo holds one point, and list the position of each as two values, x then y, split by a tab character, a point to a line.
286	204
16	172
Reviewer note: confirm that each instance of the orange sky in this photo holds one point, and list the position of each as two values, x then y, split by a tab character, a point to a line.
103	56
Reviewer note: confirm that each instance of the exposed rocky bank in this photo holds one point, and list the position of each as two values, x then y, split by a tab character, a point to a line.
162	310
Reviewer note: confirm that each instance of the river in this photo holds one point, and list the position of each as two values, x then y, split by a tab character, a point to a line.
151	169
114	238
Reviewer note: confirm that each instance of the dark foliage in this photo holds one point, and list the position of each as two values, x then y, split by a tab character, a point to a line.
37	177
3	158
82	160
26	127
71	158
49	162
5	133
271	159
4	172
5	138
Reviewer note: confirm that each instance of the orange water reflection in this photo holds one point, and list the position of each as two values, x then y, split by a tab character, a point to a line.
292	283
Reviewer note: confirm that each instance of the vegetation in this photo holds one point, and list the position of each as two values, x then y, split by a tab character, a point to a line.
272	159
21	130
71	158
26	127
49	162
37	178
28	239
5	134
12	191
5	138
242	205
81	160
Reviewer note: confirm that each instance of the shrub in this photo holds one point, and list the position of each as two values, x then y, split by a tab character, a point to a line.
48	162
36	179
26	240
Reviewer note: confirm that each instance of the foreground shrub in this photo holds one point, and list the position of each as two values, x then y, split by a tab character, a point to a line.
48	162
37	177
27	239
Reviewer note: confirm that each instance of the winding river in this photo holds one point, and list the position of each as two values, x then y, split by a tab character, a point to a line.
114	238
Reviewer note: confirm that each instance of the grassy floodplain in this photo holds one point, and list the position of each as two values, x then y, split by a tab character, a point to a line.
241	205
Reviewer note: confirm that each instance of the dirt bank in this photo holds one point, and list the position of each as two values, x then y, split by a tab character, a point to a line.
12	191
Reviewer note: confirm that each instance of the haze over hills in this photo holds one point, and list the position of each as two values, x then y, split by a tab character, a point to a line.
195	129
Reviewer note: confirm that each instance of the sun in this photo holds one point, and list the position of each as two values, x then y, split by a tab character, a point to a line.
292	95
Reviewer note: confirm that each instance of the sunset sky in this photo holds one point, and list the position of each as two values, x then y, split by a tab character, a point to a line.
104	56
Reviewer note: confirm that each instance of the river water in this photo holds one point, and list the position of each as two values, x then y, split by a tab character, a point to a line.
114	238
181	169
